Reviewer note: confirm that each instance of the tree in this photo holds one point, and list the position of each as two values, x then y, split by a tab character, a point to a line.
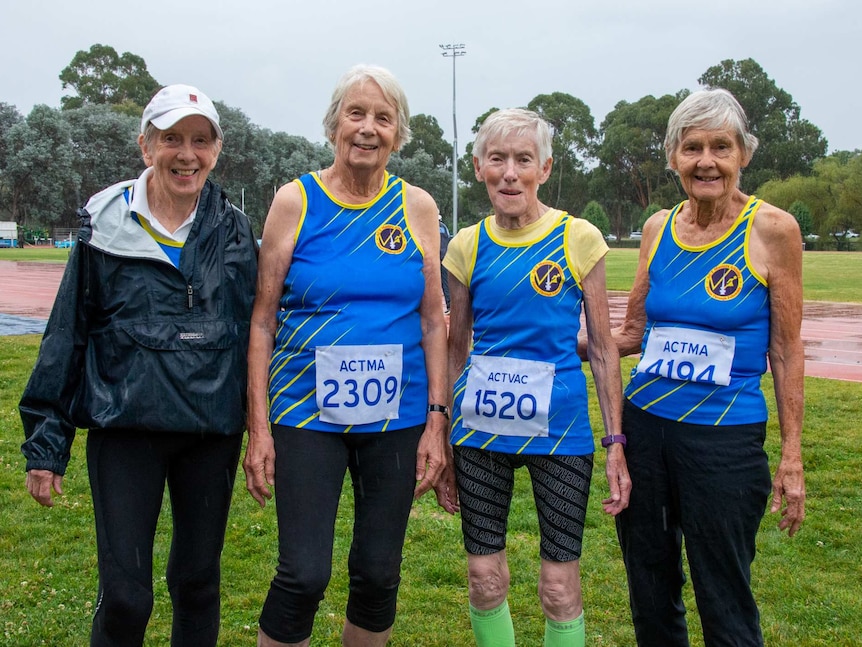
788	144
40	174
242	163
632	170
9	116
428	136
595	214
420	170
101	76
802	213
832	193
632	148
574	133
647	212
105	148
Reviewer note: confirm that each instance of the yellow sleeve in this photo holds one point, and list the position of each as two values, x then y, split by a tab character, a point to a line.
585	246
461	254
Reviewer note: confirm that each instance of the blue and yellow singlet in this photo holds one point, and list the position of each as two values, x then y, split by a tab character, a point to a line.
523	390
707	333
347	354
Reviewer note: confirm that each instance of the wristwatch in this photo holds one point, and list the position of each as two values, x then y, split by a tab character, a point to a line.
439	408
607	441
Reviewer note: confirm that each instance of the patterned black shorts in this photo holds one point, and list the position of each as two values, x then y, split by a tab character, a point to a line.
561	486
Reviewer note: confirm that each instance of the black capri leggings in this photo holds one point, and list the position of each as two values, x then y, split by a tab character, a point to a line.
309	474
128	471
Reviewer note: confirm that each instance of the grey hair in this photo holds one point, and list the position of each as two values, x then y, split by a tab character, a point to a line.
387	83
710	109
515	122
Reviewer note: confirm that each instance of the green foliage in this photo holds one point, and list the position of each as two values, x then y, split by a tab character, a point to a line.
631	152
105	147
832	193
101	76
420	170
574	133
647	212
594	213
789	145
428	136
802	213
39	176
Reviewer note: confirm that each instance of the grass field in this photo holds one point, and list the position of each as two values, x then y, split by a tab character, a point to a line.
808	587
826	276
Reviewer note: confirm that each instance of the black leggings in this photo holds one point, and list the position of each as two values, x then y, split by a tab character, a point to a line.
128	471
707	486
309	475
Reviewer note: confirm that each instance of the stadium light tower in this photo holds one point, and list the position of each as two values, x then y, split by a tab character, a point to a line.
454	51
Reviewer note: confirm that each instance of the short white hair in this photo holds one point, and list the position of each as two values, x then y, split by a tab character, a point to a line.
514	122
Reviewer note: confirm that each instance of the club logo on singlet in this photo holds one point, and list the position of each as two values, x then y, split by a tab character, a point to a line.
723	282
390	239
547	278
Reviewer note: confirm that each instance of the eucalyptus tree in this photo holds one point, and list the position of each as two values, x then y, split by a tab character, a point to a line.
574	135
102	76
631	151
428	136
40	176
105	148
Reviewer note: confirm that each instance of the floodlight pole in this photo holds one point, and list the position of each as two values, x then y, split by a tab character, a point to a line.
454	51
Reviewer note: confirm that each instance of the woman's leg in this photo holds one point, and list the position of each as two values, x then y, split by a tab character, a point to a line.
650	535
309	474
127	477
200	480
383	471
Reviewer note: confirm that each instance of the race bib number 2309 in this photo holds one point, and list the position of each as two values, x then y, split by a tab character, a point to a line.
358	384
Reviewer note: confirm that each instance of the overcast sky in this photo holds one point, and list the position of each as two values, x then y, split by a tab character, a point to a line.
278	60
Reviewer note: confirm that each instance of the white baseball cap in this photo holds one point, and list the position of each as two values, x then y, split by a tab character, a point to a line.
174	102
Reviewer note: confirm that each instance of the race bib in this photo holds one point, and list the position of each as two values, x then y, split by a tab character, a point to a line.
357	385
508	396
688	355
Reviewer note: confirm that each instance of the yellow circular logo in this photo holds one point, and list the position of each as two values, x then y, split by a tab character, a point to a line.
390	239
724	282
547	278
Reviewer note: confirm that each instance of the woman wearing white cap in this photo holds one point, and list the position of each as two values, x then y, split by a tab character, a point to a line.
145	348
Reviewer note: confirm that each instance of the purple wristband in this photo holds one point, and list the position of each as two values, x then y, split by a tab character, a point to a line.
607	441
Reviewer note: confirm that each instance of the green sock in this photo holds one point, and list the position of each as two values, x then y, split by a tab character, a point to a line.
493	628
565	634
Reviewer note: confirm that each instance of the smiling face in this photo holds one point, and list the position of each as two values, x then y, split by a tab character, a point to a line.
367	131
708	163
182	156
512	172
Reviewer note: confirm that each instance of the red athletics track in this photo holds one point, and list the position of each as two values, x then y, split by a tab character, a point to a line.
831	332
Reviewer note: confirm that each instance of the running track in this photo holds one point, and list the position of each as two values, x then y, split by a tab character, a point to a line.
831	332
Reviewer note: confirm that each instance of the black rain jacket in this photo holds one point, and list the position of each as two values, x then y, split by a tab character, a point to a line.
135	343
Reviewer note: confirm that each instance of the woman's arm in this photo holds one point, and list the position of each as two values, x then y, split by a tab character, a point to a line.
276	253
605	366
776	251
432	459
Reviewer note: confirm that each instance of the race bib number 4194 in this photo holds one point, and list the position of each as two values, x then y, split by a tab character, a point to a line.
508	396
357	385
688	355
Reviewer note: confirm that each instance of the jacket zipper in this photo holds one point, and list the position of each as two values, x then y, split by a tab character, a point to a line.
190	291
